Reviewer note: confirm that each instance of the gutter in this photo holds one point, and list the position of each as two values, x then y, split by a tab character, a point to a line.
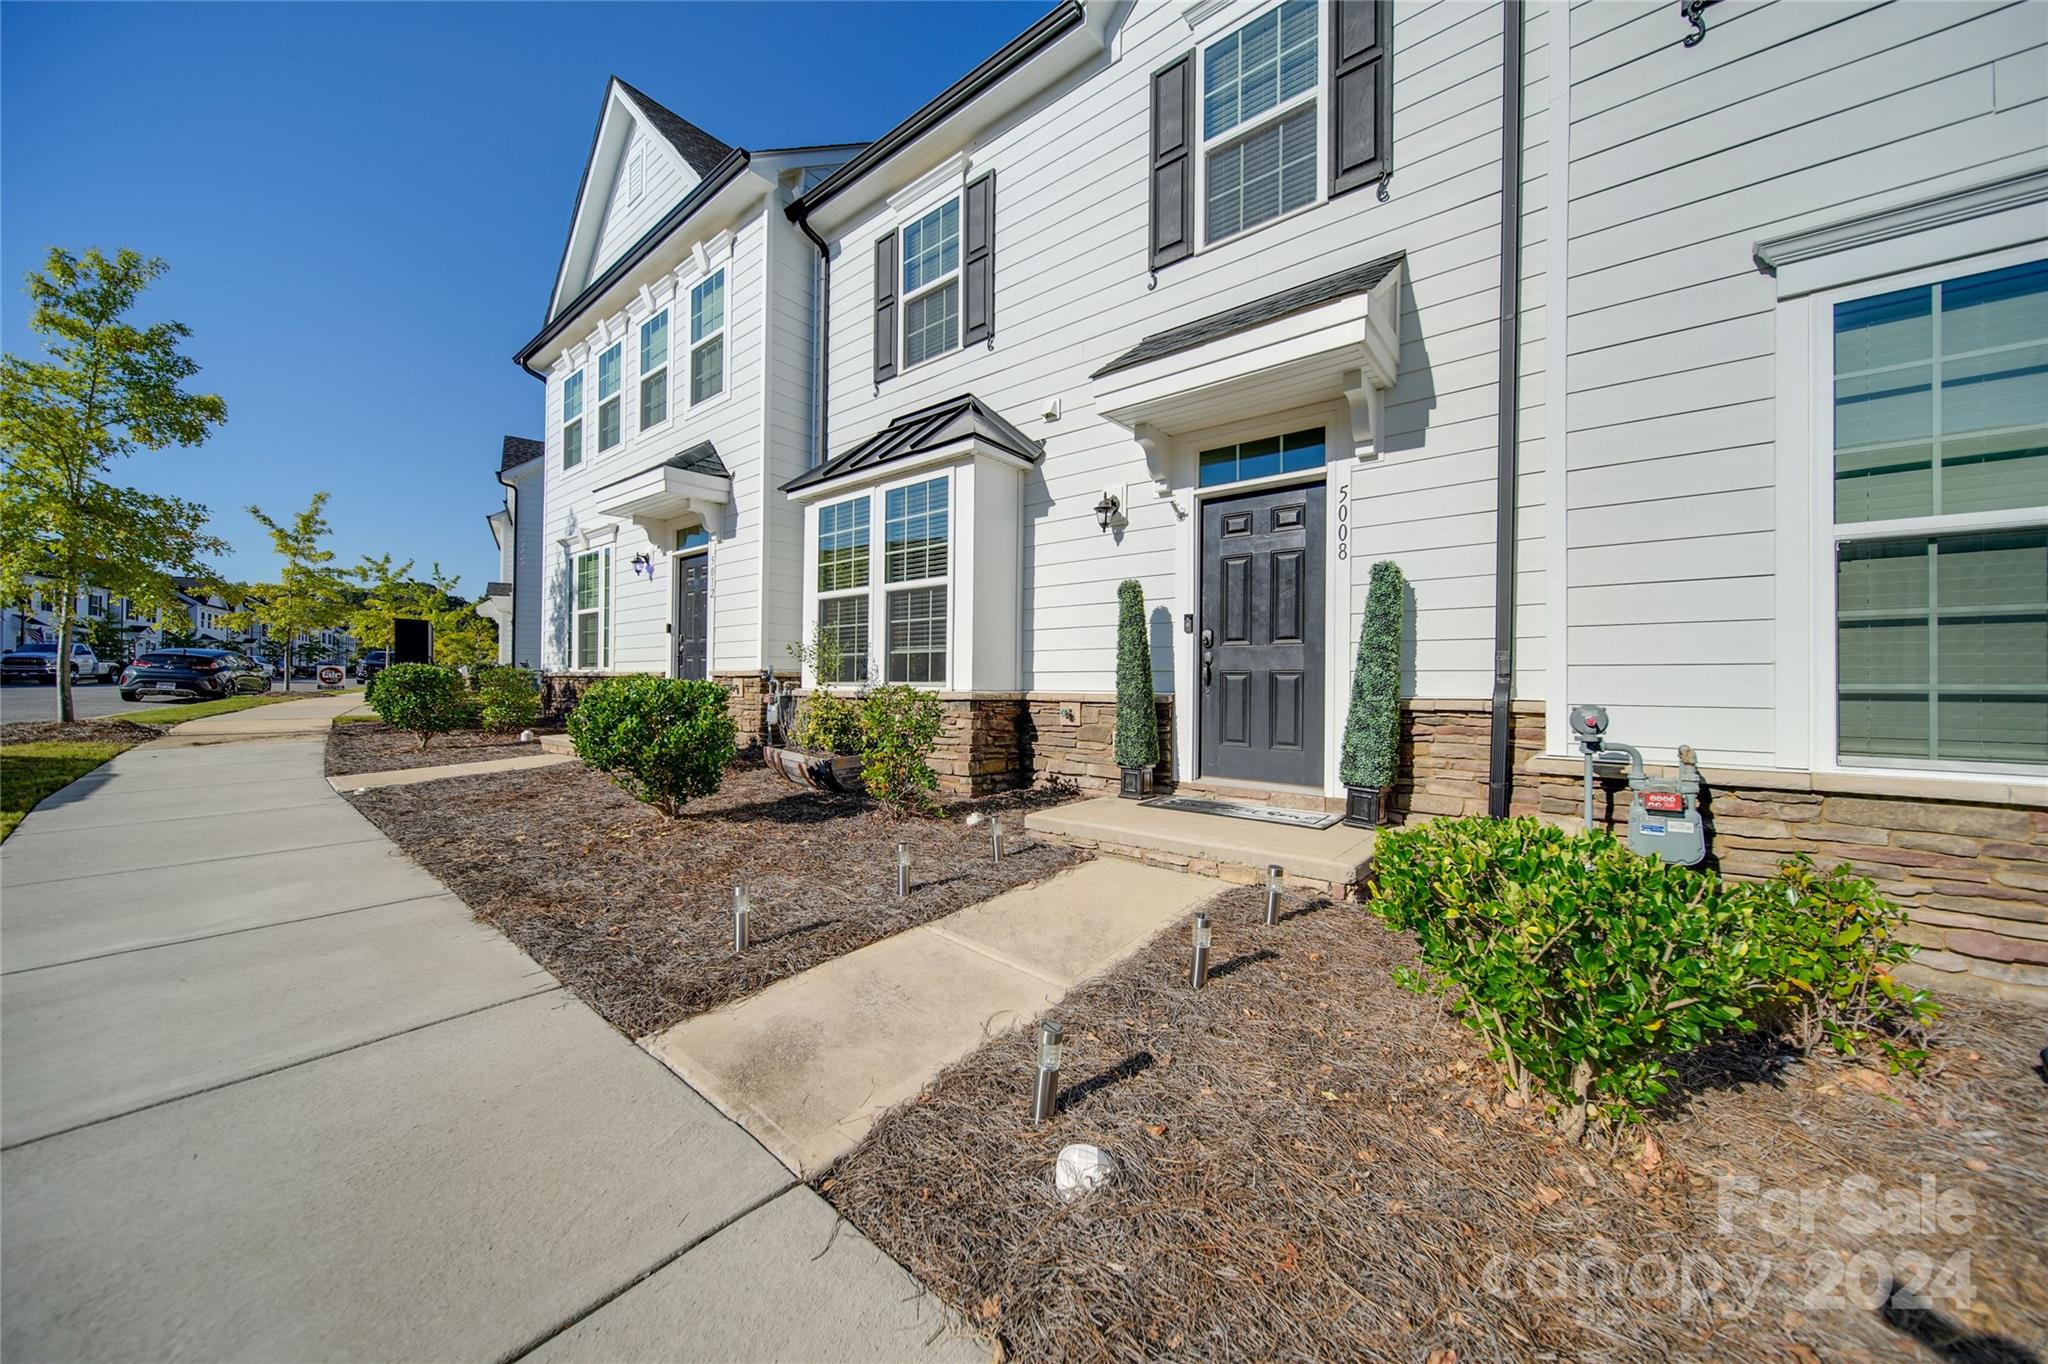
821	363
723	174
1501	749
1067	15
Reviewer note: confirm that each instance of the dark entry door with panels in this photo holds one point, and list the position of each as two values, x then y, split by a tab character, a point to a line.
1260	649
693	616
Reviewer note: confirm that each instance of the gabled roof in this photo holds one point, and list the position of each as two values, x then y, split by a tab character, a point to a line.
1271	308
926	429
518	450
699	149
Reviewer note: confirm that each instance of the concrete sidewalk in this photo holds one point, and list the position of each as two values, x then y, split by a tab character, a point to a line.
271	1093
808	1064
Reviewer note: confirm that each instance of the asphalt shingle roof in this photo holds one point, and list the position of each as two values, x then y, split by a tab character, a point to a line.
925	429
1271	308
518	450
699	149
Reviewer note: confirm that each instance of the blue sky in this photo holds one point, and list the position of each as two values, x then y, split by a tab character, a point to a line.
362	206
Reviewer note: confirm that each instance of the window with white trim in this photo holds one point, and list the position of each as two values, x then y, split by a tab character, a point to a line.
843	584
572	420
591	586
608	397
1940	521
707	338
654	370
1260	85
931	284
915	562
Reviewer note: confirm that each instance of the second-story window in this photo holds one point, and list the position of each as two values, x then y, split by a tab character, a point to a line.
1259	125
608	398
654	370
572	420
707	338
931	284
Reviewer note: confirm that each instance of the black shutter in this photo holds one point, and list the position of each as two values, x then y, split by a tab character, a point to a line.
885	308
978	261
1173	166
1362	94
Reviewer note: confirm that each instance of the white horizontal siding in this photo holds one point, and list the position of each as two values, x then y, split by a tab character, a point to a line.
665	180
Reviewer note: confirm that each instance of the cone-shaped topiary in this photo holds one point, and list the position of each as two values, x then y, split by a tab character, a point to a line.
1372	730
1137	715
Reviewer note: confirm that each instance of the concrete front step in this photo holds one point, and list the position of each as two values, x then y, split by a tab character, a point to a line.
557	743
1278	797
1332	859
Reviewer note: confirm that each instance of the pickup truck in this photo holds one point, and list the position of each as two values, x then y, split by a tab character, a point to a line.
37	662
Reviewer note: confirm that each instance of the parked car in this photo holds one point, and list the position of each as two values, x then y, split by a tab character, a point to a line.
372	662
37	662
194	674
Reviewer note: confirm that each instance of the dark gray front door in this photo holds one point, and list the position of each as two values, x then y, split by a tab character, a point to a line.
1260	650
693	617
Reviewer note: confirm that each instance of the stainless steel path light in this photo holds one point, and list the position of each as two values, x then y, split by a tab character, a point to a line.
1198	976
902	870
1047	1091
742	919
995	837
1272	893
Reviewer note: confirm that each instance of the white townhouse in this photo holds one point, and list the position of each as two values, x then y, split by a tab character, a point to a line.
512	600
677	355
1692	361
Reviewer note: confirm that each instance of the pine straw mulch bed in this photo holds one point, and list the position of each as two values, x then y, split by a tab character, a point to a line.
1315	1165
373	746
125	732
633	911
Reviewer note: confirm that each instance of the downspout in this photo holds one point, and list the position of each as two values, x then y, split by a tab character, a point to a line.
821	366
1500	757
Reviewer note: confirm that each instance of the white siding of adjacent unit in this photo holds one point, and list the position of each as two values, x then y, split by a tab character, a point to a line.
665	180
1788	116
528	513
787	431
1072	292
642	607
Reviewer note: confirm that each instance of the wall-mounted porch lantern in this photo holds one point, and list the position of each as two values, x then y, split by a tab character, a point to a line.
1107	510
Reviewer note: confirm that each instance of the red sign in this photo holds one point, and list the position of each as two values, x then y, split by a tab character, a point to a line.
1668	801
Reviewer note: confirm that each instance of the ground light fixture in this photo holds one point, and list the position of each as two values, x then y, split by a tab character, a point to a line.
1046	1092
902	870
1272	893
995	837
742	919
1198	974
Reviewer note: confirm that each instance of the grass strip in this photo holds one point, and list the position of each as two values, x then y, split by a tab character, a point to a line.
31	772
200	710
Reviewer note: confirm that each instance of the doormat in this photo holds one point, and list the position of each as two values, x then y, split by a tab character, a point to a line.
1265	814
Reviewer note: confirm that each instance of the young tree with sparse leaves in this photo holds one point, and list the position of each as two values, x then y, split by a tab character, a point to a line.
309	594
462	638
107	389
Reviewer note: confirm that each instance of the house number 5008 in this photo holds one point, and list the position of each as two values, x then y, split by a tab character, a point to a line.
1343	522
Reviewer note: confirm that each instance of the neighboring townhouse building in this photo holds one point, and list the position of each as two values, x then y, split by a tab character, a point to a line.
34	617
1763	471
677	357
513	599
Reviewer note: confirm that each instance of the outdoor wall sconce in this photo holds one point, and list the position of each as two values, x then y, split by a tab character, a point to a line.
1107	510
643	564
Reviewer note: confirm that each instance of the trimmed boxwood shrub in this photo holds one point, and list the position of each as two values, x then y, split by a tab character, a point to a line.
1137	712
508	698
422	699
1372	727
665	740
1586	967
899	728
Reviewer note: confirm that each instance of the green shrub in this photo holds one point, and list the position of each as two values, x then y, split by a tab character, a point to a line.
508	698
1824	947
827	723
1584	966
899	729
1137	712
422	699
1587	967
1372	727
665	740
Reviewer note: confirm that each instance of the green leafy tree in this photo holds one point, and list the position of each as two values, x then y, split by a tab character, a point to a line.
1137	712
308	594
106	389
391	593
1372	727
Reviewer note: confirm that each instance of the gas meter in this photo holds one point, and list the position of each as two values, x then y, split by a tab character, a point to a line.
1663	816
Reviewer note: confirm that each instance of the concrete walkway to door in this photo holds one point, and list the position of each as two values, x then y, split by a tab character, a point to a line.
271	1093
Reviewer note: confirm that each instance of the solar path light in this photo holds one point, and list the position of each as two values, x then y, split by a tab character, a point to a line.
742	919
1048	1087
902	870
1272	893
1198	976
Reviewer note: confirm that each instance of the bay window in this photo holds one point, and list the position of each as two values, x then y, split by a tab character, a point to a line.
931	284
572	420
591	586
707	338
608	398
654	370
1940	521
843	586
915	551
